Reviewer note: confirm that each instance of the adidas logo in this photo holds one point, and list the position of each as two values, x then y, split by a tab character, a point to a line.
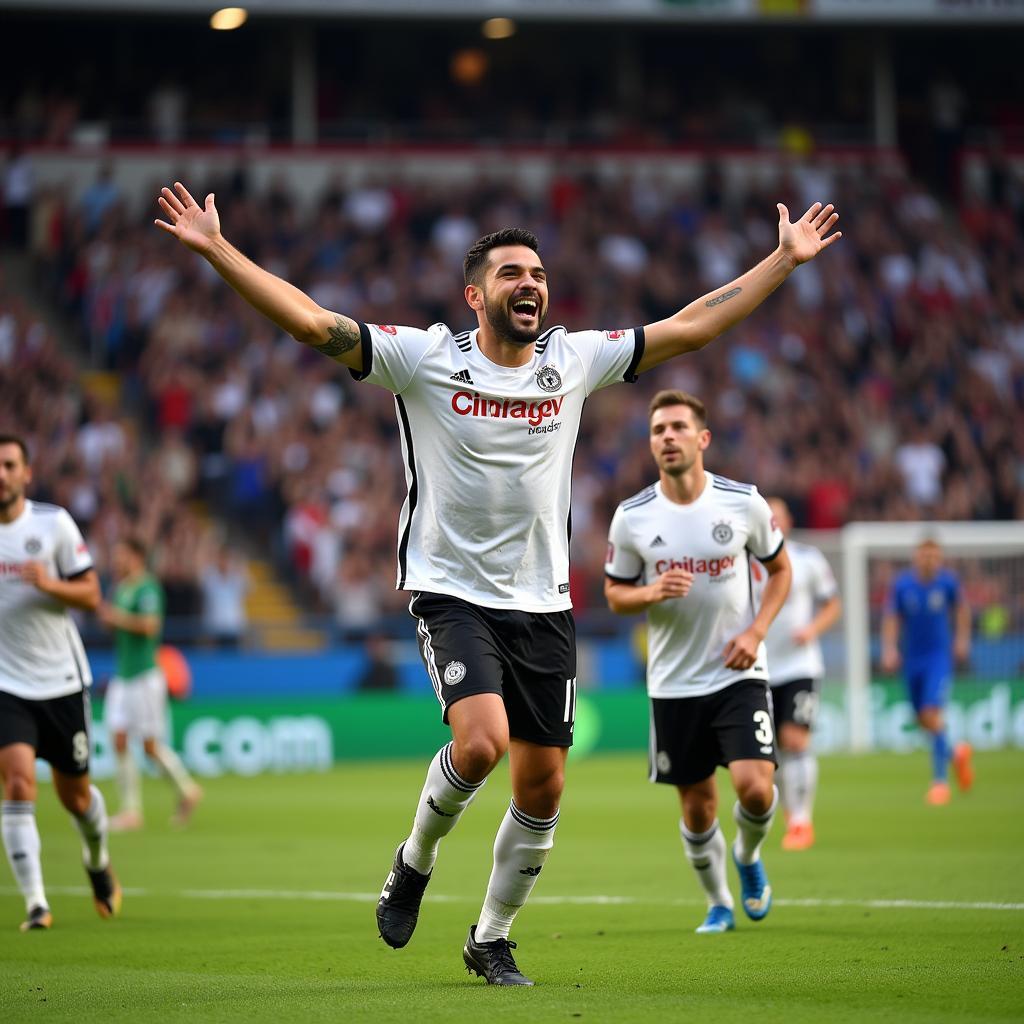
462	377
436	809
657	542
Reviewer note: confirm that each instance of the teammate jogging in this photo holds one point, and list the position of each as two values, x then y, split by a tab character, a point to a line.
680	551
797	667
488	422
45	568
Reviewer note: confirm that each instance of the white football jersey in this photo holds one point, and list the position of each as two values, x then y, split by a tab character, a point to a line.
488	453
41	653
713	538
813	583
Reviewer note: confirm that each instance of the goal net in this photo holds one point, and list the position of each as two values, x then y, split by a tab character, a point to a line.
864	710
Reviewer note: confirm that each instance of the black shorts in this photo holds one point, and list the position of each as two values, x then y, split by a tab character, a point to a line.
692	736
57	729
796	702
529	658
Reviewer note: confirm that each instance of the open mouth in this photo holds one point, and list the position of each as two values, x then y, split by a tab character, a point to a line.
526	307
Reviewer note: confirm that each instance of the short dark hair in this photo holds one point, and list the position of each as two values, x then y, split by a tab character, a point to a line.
133	542
664	398
19	441
476	258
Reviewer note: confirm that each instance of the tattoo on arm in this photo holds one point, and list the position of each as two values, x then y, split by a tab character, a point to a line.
344	336
724	297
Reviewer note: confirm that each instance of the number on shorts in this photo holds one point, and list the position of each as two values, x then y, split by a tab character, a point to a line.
570	701
763	733
805	707
80	748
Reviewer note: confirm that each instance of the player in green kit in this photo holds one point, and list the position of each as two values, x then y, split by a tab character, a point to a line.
136	704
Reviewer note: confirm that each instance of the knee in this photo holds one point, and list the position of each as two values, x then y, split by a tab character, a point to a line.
149	746
756	793
541	797
794	739
77	800
476	756
20	786
120	742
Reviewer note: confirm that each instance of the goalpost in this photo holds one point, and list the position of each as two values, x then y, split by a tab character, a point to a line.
858	544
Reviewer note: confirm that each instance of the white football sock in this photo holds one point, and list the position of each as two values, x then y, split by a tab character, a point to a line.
706	852
92	826
751	829
129	783
175	772
445	796
798	782
21	841
520	850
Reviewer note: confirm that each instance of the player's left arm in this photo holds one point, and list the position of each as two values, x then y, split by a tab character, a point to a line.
741	650
79	591
827	617
706	318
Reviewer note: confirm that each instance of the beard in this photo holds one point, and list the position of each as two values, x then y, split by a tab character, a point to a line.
679	468
500	319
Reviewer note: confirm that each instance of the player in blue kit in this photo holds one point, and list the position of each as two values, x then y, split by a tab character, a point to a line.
917	634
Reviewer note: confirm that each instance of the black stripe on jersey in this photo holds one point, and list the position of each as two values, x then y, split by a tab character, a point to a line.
543	339
465	347
639	344
403	547
74	658
750	587
624	579
78	575
366	351
774	554
572	459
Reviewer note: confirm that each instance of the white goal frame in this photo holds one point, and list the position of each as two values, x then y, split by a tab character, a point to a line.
858	542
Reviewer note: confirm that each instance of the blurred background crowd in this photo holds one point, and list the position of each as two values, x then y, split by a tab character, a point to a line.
885	382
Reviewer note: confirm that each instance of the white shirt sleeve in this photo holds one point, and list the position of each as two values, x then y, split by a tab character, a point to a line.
764	540
824	583
391	354
609	356
622	563
71	553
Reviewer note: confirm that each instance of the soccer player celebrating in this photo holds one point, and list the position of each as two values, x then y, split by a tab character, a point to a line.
45	569
919	606
136	703
797	667
680	550
489	419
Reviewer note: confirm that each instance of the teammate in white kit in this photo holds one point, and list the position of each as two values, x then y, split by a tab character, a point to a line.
489	420
797	667
680	551
45	568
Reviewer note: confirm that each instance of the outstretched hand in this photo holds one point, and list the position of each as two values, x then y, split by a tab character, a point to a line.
803	240
193	225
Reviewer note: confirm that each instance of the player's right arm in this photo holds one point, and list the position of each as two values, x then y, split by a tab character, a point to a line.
624	590
198	228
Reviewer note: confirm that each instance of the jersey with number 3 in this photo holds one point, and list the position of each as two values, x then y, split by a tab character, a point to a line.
713	538
488	454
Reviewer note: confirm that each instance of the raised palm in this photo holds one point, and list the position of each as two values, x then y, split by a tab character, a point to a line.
193	225
805	238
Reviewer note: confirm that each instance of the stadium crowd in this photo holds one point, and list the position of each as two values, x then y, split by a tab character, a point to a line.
885	383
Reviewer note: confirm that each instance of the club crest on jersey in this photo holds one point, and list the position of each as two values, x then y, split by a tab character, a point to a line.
548	378
33	546
722	532
454	672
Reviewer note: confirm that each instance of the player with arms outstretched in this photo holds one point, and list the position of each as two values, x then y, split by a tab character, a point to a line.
45	568
489	418
680	551
797	667
917	634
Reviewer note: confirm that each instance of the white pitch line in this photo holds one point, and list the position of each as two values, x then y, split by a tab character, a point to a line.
330	896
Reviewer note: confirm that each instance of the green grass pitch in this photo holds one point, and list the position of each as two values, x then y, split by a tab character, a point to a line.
263	909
